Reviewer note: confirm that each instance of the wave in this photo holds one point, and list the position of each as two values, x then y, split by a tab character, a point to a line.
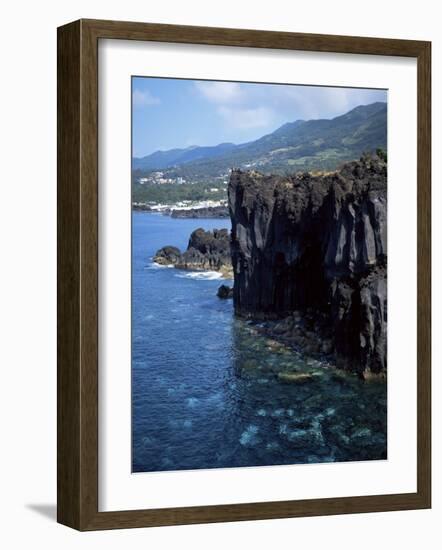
154	265
200	275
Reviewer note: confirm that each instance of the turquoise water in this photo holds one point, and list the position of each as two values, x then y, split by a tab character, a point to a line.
205	387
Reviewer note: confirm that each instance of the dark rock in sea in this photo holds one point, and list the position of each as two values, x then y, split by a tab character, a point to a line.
224	292
206	212
316	245
168	255
206	251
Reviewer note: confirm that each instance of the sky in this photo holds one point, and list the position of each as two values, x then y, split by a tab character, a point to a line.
170	113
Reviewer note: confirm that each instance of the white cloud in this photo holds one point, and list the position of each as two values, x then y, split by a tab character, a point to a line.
248	106
144	98
311	102
220	92
243	118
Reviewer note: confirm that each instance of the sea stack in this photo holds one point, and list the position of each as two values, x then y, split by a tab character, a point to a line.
316	243
206	251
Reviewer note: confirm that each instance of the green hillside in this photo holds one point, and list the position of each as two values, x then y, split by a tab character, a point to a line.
309	145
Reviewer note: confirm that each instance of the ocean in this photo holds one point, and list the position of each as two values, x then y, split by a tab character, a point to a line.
205	386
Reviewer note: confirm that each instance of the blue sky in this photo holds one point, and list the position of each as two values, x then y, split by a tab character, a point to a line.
169	113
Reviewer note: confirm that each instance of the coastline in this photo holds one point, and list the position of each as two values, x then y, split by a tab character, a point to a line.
200	371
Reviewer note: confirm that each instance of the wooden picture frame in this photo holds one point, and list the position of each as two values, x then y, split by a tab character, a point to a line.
78	274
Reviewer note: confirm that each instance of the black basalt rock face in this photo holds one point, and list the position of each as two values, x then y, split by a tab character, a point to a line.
316	243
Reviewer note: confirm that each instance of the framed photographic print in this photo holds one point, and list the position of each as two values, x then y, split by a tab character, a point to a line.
243	274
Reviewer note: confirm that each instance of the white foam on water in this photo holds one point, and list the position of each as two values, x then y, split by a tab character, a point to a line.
155	266
200	275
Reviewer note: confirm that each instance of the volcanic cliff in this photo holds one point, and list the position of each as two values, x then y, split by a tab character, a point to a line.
316	246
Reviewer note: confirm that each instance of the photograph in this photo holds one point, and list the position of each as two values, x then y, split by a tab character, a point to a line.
218	283
259	274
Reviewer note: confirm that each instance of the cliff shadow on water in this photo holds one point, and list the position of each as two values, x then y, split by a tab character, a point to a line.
309	256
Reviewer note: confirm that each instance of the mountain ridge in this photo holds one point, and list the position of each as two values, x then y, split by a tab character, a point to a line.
298	145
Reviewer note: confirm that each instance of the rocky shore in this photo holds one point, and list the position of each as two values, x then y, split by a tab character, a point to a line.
206	251
309	256
141	207
201	213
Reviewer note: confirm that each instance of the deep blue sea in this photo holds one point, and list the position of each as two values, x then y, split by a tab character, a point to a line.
205	391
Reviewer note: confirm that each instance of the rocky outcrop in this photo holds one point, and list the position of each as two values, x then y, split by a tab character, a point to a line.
317	244
206	251
168	255
200	213
224	292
